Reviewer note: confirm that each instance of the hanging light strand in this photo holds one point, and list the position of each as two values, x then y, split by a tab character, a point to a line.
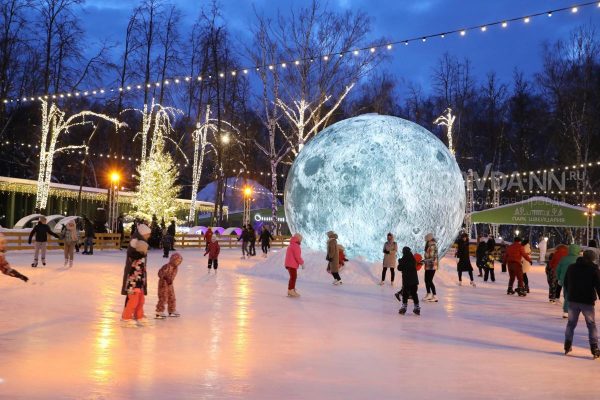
244	71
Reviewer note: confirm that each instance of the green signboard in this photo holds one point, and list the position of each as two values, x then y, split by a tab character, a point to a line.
537	211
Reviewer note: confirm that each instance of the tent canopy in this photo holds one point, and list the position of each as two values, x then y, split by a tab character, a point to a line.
536	211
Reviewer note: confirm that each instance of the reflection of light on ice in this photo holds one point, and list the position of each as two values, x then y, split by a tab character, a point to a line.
105	338
211	374
242	316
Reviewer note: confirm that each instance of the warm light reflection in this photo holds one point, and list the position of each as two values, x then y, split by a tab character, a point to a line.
105	337
242	318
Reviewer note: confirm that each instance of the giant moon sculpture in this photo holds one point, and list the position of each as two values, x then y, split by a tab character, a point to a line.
373	174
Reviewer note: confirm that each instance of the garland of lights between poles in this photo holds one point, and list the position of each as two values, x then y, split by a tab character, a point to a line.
502	23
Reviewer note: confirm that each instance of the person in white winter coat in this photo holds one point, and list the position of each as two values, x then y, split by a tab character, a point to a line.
390	249
543	247
70	235
526	264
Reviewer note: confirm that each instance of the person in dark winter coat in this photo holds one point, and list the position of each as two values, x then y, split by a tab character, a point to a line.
480	256
90	235
245	238
167	243
407	265
490	256
171	230
166	291
265	240
252	240
135	285
5	267
464	260
213	251
333	257
41	232
582	282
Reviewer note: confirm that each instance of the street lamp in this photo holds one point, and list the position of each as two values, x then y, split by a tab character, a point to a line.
517	232
247	198
590	214
113	200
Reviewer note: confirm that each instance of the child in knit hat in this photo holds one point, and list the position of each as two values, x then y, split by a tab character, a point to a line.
5	266
166	291
213	251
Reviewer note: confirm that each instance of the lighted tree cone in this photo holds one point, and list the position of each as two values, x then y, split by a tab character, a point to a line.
369	175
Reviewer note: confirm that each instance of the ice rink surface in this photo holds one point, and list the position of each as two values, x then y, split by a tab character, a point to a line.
240	337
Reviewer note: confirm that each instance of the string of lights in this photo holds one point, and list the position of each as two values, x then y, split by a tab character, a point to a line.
176	80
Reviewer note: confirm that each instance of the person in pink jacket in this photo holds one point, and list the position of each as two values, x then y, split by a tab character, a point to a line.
293	260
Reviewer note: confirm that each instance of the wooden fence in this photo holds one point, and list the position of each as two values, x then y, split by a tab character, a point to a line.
108	241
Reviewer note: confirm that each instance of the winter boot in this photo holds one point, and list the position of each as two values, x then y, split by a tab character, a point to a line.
510	290
568	347
402	310
161	315
174	314
565	315
473	284
595	351
397	296
290	293
34	264
417	310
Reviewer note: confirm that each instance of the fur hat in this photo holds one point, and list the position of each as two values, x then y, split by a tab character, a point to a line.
429	237
143	229
298	237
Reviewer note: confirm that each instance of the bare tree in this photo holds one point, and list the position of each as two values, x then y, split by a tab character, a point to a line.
170	42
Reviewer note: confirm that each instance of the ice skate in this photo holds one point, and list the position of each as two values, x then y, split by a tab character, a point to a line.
337	282
568	347
510	291
34	264
291	293
381	283
433	299
552	301
521	292
174	314
473	284
417	310
565	315
70	263
243	257
459	283
427	297
595	351
144	321
397	296
44	263
527	289
161	315
402	310
66	263
128	323
392	284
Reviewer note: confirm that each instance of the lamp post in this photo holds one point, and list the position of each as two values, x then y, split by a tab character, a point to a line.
247	199
590	214
113	201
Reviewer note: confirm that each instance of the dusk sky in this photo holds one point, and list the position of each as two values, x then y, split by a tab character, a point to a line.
501	50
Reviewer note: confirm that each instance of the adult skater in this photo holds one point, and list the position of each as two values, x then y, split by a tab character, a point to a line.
525	264
265	240
390	249
407	265
333	257
70	238
245	238
252	240
514	254
464	260
561	272
293	260
171	231
41	232
430	259
582	283
490	255
543	247
593	245
5	267
554	288
208	236
480	260
135	285
90	235
166	291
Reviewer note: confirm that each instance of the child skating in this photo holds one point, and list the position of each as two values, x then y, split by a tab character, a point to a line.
213	251
166	291
5	267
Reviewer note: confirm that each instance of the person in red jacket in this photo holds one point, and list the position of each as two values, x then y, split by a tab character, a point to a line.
213	251
562	250
208	236
293	260
514	253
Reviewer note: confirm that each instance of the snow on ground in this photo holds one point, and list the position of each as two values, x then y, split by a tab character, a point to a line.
240	337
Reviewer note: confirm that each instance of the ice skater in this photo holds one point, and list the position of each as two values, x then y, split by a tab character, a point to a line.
430	259
512	258
554	289
167	243
213	251
41	232
561	272
70	237
464	260
135	285
490	255
582	283
251	240
390	250
480	259
245	238
166	291
265	240
293	260
526	265
5	267
407	265
333	258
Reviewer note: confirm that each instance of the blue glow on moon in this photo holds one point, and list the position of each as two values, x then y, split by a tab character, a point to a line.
373	174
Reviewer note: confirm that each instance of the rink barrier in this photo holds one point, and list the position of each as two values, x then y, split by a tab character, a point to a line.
19	241
229	242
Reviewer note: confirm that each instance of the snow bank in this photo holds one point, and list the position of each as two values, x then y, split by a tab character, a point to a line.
356	271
